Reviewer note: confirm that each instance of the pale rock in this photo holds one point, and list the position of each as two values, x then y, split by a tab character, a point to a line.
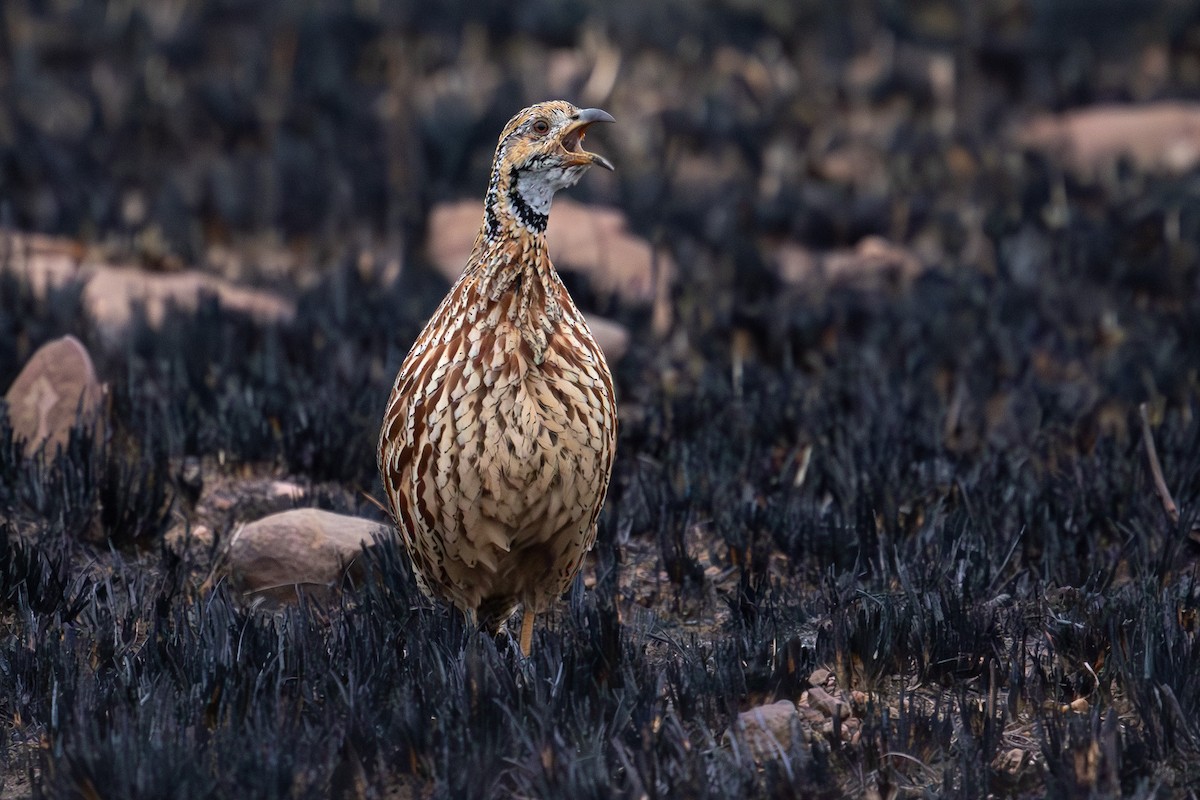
874	260
287	489
56	389
112	293
826	703
306	549
857	164
613	337
1162	136
42	262
182	537
591	240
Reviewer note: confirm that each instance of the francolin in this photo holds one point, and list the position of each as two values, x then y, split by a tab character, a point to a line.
498	440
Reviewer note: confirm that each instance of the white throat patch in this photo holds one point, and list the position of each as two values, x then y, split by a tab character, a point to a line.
537	187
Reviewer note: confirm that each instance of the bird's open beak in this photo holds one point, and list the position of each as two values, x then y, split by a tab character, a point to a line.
573	138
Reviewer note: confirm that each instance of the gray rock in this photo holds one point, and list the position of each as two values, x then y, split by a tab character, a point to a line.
272	559
55	390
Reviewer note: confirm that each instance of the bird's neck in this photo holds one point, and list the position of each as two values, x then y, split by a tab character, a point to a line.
511	246
515	259
516	199
513	279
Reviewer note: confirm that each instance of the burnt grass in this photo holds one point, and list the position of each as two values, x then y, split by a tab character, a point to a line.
976	543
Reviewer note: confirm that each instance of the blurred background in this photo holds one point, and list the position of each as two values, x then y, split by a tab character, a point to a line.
298	132
885	285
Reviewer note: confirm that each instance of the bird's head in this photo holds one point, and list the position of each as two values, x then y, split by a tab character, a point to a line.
540	152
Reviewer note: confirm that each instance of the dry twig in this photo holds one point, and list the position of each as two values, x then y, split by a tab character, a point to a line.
1164	494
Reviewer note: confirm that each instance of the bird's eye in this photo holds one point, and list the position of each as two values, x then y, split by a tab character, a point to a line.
541	126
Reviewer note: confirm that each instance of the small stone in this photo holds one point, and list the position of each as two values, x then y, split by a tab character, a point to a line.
1079	705
1011	761
765	730
191	479
182	537
56	390
872	256
289	490
273	557
827	703
813	716
873	261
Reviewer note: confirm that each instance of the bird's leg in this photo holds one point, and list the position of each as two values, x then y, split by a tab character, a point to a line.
527	631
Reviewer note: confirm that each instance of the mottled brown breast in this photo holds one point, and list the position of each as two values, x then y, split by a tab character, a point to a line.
498	444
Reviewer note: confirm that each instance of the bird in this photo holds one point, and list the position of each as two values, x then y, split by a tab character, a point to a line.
497	444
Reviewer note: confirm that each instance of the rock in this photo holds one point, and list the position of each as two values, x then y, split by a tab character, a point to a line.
827	711
612	337
595	241
112	293
588	238
766	730
1162	136
274	557
255	496
798	264
55	390
827	704
180	538
451	233
856	164
591	240
42	262
872	261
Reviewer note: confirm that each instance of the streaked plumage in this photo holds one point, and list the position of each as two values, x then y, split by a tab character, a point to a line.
498	440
